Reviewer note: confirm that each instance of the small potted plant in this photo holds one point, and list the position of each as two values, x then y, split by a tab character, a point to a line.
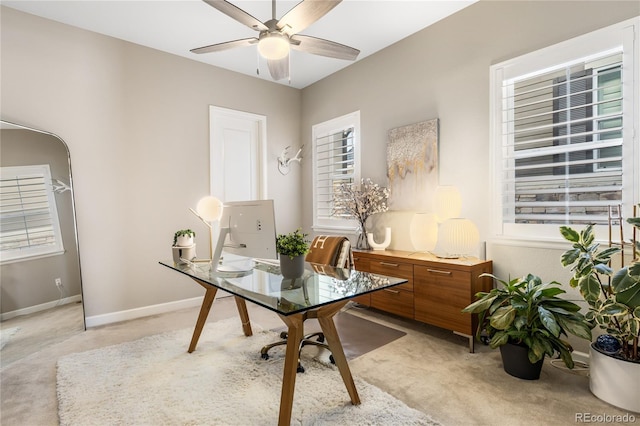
184	248
526	320
613	299
292	248
183	238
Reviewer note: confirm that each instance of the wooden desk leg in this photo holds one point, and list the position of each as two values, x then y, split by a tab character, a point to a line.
202	317
294	336
325	318
244	316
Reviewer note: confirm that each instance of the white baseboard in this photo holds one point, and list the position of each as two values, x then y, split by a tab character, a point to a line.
42	307
144	311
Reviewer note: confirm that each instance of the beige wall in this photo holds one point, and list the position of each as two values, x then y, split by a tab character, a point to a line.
136	122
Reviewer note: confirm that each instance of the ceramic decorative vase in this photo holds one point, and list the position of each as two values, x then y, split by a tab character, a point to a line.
291	268
515	361
384	244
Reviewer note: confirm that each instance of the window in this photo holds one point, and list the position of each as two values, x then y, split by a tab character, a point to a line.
563	135
29	225
336	160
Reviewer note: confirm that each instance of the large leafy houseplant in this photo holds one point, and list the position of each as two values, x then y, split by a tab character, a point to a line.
526	311
613	296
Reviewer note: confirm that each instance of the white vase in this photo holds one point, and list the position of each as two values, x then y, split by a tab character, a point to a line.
614	380
384	244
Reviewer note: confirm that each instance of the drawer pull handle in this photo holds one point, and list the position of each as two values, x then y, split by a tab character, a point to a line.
436	271
395	265
392	291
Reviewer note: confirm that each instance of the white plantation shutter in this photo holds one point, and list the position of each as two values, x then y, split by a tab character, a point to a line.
335	162
563	135
29	225
335	166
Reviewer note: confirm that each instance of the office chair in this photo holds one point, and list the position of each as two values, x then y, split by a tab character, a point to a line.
325	250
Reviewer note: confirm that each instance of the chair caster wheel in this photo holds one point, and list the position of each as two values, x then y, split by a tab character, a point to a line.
485	340
283	335
332	360
264	356
300	368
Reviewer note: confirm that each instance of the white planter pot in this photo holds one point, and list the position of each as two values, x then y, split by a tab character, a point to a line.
614	381
184	241
180	253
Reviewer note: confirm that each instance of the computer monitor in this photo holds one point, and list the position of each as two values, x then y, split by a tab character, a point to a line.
248	229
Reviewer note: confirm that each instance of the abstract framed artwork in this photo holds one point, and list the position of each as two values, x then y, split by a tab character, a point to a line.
412	165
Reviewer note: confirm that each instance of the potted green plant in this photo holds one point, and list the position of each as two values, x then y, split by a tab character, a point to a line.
292	248
184	248
613	299
183	238
526	319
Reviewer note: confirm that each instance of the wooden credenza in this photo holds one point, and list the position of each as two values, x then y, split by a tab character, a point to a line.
437	289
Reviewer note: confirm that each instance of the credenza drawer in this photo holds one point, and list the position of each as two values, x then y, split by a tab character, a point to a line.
441	294
394	269
393	300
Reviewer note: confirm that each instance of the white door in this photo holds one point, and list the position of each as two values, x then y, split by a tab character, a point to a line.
238	155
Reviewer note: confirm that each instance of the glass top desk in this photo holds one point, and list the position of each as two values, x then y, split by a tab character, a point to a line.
320	293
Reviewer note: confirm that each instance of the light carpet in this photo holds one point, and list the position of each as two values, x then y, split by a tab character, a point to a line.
6	335
153	381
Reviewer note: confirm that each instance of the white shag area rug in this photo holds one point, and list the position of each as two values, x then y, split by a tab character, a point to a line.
154	381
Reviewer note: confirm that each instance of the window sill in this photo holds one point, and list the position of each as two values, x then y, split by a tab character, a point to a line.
335	229
31	257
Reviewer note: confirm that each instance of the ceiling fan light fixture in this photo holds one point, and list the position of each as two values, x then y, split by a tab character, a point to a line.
273	46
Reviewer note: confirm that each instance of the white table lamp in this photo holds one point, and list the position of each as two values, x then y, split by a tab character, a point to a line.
424	231
458	237
448	202
208	210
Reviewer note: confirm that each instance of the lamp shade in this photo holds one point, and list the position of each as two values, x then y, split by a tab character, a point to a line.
209	208
424	231
273	46
458	236
448	202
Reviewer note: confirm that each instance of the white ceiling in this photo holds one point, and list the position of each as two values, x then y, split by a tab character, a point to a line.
178	26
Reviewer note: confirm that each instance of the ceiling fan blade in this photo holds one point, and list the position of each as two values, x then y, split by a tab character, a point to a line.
236	13
320	46
279	68
304	14
225	46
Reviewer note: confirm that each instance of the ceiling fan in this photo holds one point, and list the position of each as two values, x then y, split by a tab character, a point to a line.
277	37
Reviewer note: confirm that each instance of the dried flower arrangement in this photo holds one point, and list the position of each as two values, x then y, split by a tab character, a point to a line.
360	203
